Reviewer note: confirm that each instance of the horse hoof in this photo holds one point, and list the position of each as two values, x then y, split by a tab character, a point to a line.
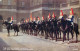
56	40
8	35
16	35
46	38
63	41
76	41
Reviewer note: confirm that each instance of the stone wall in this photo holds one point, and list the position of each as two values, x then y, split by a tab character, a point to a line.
7	14
22	16
37	14
45	13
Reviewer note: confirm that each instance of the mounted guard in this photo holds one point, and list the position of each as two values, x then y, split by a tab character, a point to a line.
71	17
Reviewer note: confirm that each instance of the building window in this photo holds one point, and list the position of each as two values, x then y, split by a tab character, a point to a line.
32	3
9	2
22	4
74	0
0	1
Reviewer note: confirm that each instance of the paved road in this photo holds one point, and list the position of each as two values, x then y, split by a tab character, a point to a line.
25	42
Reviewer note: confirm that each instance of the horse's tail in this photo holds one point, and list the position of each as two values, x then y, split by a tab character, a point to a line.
76	28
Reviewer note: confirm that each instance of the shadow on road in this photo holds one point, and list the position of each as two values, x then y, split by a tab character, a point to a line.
3	45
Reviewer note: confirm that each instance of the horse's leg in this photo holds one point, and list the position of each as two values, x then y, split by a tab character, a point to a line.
32	32
14	33
51	35
38	32
63	36
17	33
76	37
35	33
68	35
55	35
60	34
22	30
46	35
42	33
8	32
72	34
28	31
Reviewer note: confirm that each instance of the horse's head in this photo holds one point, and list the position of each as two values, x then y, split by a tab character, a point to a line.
5	22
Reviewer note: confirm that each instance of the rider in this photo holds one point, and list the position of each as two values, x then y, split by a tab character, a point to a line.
11	22
38	21
71	17
61	15
49	17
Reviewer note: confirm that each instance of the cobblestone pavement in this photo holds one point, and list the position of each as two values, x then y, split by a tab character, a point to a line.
25	42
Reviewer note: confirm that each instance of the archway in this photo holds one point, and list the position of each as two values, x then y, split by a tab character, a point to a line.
1	21
1	18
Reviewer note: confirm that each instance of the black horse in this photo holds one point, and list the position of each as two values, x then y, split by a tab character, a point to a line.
66	28
10	27
73	29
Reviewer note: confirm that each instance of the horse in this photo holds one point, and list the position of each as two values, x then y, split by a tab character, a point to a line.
42	27
34	28
10	27
22	27
72	28
48	28
66	27
63	28
75	29
55	28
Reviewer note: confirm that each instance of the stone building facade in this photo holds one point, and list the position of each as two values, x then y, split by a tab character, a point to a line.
44	7
21	9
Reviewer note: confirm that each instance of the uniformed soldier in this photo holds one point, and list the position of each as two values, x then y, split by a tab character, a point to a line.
71	17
